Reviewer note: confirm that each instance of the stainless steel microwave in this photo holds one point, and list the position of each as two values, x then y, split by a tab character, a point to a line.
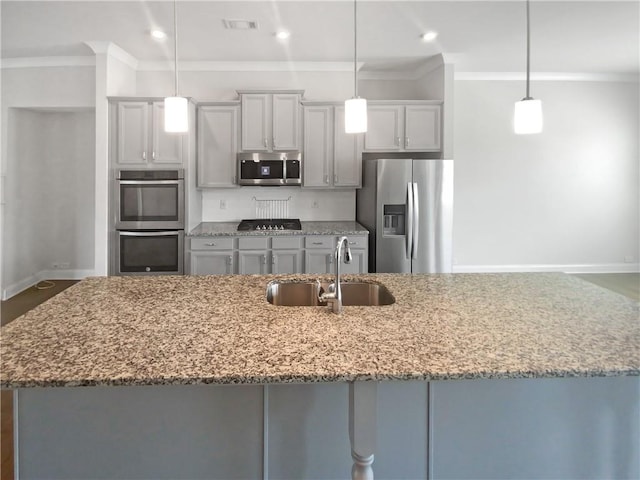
284	168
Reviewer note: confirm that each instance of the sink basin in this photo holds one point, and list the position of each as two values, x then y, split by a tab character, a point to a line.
305	294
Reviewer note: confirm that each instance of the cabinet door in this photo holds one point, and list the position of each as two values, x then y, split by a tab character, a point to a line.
286	121
347	165
212	263
217	145
359	263
165	147
422	128
250	261
384	129
286	261
255	121
133	134
318	261
317	146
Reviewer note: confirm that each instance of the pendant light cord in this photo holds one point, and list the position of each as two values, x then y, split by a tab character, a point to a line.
355	50
175	44
528	51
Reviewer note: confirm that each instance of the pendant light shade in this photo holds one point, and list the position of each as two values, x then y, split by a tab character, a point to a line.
527	116
355	109
176	115
355	115
176	109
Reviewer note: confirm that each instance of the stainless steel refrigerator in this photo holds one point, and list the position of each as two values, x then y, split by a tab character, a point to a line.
407	206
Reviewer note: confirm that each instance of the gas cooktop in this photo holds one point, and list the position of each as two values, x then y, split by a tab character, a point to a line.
270	224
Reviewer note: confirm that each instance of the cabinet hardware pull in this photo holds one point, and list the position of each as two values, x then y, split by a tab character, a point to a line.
335	178
326	179
316	243
264	259
144	155
352	243
273	142
153	155
230	260
398	141
406	141
266	144
210	244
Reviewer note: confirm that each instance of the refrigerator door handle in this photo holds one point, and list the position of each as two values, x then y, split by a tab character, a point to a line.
409	231
416	221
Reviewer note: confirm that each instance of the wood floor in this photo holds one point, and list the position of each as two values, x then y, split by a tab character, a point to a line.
627	284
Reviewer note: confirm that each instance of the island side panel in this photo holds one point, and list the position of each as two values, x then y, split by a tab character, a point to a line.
543	428
159	432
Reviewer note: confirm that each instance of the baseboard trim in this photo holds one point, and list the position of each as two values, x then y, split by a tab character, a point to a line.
571	268
31	280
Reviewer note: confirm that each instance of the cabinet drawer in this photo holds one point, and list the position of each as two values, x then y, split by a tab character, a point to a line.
360	241
253	243
286	242
318	241
212	243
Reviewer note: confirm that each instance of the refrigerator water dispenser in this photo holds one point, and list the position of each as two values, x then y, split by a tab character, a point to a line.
394	220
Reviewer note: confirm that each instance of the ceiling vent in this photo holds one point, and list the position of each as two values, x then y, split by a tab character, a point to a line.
240	24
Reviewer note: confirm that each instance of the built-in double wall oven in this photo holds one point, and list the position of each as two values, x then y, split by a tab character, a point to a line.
149	222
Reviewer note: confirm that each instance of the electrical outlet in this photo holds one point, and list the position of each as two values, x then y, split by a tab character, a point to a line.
628	259
61	265
223	204
315	204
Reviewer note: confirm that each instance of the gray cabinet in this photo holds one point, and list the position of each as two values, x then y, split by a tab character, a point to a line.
212	256
278	254
413	126
270	121
217	144
141	139
331	156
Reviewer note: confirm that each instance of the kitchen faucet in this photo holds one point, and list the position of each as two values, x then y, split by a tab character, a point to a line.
334	296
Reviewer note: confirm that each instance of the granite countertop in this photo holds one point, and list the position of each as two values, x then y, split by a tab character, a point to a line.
220	329
226	229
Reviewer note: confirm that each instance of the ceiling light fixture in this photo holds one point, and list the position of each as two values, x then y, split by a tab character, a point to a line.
176	109
283	34
429	36
158	35
355	109
527	117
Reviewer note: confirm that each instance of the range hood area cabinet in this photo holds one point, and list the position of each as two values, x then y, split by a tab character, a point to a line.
409	126
140	139
270	120
217	138
331	156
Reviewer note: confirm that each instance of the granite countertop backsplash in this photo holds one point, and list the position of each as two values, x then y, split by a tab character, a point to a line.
226	229
155	330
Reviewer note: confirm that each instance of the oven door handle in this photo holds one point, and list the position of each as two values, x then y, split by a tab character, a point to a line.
150	182
149	234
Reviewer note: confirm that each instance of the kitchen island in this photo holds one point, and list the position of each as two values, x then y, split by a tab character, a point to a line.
155	353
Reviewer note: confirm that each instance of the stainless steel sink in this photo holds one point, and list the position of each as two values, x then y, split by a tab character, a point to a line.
305	294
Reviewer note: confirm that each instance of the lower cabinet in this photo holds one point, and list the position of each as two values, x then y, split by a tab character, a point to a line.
278	254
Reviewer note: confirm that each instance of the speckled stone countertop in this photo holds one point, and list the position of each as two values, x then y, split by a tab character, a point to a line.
229	229
220	329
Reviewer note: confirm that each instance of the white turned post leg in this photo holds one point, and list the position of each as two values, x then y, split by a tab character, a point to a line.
363	415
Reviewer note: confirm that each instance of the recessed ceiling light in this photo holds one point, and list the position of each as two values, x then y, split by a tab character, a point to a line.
158	34
283	34
429	36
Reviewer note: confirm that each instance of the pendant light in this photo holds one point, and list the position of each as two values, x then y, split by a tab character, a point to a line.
527	116
176	109
355	109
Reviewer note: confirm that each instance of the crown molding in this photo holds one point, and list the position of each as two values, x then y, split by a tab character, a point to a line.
549	76
35	62
113	50
153	66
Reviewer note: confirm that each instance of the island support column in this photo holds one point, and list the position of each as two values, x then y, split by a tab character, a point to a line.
363	415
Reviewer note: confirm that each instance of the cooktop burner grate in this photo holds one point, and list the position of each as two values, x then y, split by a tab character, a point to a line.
270	224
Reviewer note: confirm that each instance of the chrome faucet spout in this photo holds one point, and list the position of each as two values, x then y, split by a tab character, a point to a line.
335	297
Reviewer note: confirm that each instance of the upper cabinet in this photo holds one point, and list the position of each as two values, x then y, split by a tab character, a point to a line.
141	139
270	121
331	156
217	144
406	127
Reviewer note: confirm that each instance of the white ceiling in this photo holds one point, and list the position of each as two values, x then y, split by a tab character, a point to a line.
479	36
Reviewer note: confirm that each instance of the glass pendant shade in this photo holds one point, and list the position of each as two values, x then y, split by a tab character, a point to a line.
355	115
527	116
176	115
